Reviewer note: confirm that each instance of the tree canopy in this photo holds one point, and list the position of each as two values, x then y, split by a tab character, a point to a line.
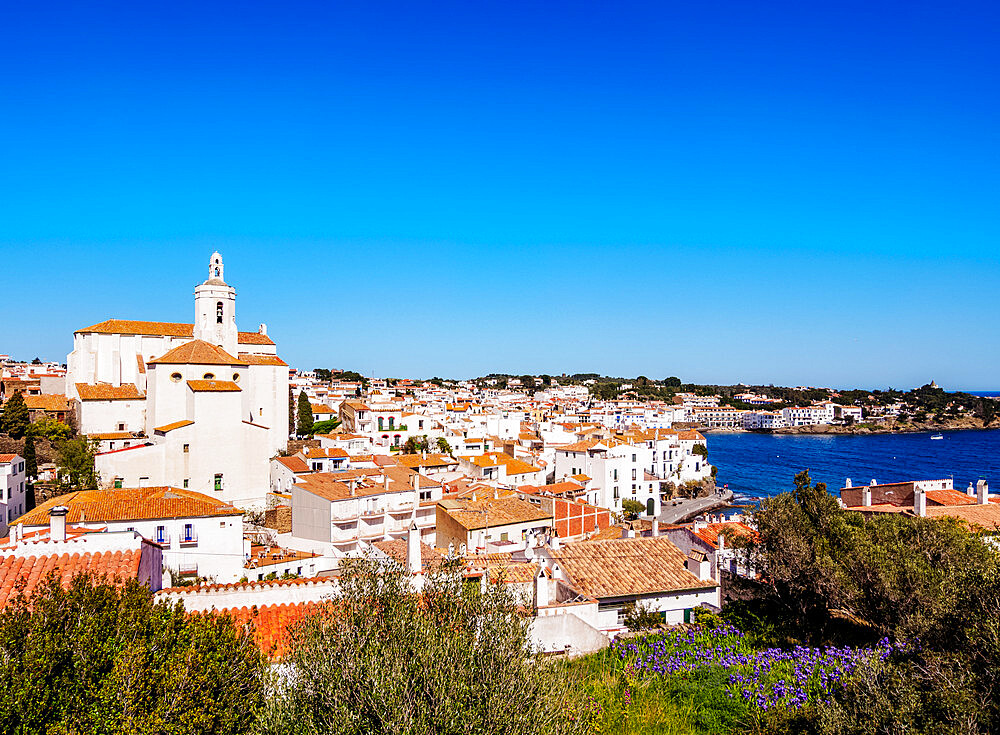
305	415
380	657
100	658
15	418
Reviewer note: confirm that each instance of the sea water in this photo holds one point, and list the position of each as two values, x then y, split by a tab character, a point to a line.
758	465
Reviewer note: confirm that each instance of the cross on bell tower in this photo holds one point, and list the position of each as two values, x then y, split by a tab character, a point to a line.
215	309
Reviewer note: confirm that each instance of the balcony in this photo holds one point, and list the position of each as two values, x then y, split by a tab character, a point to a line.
163	539
188	538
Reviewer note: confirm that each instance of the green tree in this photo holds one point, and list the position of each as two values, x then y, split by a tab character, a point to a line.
416	444
672	382
94	657
49	428
305	423
14	420
30	458
291	410
633	507
700	449
455	658
443	446
323	374
76	463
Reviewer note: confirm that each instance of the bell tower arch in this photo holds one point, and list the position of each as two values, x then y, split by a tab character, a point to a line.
215	308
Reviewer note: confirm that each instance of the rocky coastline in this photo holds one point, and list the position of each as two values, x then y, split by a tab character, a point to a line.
969	423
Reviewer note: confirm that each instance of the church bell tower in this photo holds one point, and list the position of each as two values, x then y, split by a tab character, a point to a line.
215	309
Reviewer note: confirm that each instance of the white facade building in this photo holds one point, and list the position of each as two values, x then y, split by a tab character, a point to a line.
208	403
12	489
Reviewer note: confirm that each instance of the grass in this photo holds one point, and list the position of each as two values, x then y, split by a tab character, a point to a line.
621	702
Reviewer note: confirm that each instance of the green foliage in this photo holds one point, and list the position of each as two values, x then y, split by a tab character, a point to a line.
76	463
453	659
49	428
672	382
30	457
836	576
639	616
622	701
416	445
325	427
700	449
305	416
323	374
443	446
98	658
14	419
633	508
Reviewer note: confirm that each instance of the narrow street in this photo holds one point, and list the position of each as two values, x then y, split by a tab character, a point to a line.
686	509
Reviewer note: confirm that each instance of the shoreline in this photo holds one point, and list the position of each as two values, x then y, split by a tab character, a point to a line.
831	430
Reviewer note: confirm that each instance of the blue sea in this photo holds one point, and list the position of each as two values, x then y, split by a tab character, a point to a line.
758	465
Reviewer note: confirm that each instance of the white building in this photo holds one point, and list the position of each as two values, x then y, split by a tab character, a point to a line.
199	535
12	489
209	404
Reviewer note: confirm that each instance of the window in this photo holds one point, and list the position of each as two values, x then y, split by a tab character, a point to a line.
118	483
420	424
615	476
633	473
121	427
236	377
209	376
187	448
505	536
218	307
218	481
161	534
189	532
222	524
185	483
176	377
425	495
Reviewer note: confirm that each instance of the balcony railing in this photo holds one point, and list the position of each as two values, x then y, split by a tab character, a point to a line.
189	538
162	538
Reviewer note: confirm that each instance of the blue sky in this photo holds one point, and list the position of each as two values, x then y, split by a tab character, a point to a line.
788	193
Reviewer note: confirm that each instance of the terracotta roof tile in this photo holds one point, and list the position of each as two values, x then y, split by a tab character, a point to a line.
175	425
47	402
251	359
26	572
473	514
107	392
196	352
621	567
164	329
270	624
213	386
127	504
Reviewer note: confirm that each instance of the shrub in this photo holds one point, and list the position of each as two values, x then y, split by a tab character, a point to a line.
379	657
98	658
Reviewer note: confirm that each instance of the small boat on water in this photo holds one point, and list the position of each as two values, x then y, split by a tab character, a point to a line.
937	436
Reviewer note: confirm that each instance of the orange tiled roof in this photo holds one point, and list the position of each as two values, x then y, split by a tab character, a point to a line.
295	464
473	514
396	548
627	566
28	571
196	352
175	425
4	458
270	624
251	359
164	329
213	386
730	529
984	517
128	504
47	402
107	392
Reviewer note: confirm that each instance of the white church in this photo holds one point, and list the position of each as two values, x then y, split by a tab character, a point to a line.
208	403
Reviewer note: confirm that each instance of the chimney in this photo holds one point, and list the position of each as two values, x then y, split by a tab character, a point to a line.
351	484
541	588
872	483
386	483
57	523
847	483
970	491
263	329
656	527
982	492
866	496
415	480
698	526
554	541
698	564
413	562
722	541
920	502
